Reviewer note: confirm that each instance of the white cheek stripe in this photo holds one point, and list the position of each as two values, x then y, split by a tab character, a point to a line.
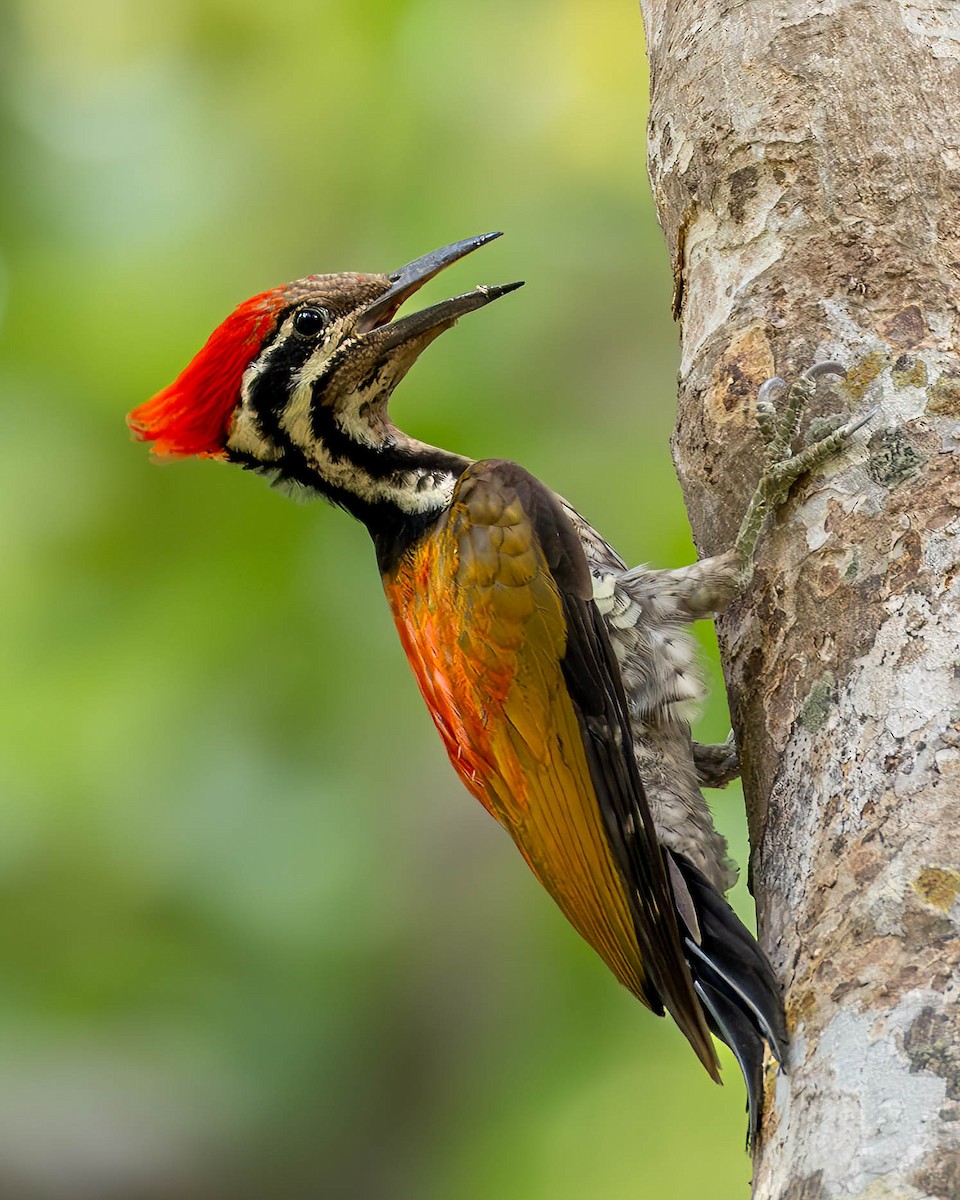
414	491
333	342
295	420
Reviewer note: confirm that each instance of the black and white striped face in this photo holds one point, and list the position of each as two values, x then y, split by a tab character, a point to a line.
313	407
313	403
308	363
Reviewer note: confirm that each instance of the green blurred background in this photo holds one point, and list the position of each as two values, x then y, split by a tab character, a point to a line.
255	939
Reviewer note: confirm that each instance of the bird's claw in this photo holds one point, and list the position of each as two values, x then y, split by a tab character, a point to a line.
717	764
780	407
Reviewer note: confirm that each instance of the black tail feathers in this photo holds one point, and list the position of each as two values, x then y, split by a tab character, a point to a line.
732	977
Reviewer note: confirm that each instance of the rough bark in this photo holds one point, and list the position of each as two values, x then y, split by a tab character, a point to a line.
805	156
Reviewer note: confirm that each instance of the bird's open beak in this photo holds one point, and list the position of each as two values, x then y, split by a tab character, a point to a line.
433	320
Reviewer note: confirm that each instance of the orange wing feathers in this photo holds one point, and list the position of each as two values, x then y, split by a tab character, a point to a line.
481	619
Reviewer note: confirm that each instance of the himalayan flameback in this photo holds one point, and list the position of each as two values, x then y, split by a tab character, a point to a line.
558	679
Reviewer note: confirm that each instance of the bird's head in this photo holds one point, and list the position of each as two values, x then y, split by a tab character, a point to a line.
295	382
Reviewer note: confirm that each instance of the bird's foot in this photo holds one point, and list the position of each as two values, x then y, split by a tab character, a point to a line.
717	764
780	407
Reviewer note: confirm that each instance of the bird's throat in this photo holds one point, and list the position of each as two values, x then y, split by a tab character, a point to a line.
397	489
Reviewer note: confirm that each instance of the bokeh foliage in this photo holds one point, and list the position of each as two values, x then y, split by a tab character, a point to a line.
255	939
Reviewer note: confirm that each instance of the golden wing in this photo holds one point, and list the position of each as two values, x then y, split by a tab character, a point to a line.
494	608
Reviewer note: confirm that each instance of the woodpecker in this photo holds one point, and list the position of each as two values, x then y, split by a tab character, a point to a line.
559	679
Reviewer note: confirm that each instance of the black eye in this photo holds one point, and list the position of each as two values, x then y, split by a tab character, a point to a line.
310	321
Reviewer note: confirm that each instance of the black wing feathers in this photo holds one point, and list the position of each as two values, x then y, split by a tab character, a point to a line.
593	679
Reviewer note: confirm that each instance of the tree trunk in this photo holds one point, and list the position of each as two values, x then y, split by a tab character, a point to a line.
805	157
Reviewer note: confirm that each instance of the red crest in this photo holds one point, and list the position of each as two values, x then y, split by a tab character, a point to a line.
191	416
